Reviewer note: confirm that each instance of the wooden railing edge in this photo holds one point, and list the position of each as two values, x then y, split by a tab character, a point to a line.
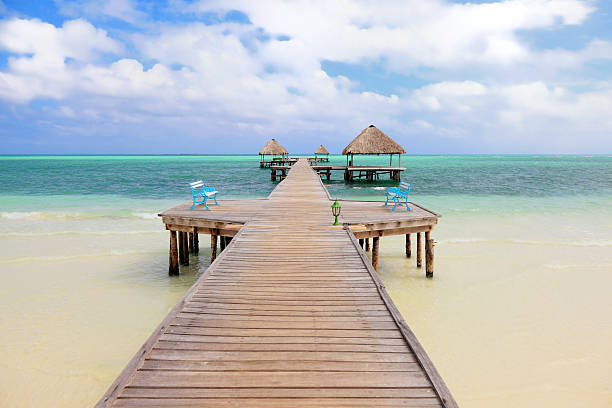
130	369
424	361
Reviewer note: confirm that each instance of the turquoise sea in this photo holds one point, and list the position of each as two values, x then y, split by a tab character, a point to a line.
518	313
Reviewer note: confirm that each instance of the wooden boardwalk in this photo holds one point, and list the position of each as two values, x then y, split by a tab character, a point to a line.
291	314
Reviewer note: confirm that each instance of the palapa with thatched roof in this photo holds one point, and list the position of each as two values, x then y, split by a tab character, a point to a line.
274	149
372	140
321	150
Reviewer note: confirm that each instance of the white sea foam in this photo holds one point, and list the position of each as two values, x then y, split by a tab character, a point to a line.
19	215
379	188
463	240
60	233
112	252
145	215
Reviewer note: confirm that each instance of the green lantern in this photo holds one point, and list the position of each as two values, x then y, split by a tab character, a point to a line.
336	207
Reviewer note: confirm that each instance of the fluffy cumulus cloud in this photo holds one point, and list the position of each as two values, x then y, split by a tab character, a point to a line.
438	76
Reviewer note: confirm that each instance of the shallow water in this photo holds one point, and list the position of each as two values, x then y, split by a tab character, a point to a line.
518	313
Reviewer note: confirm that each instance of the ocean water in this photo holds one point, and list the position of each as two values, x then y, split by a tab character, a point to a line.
518	313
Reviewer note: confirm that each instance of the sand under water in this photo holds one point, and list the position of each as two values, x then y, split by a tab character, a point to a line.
518	313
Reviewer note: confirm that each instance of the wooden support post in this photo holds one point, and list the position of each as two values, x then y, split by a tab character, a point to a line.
196	241
181	252
191	249
367	242
213	246
408	246
273	175
222	243
186	248
419	250
173	263
429	256
375	243
361	243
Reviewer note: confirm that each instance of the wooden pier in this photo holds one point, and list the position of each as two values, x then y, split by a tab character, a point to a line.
290	314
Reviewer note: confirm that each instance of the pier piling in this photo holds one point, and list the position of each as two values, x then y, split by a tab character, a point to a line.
408	246
429	256
173	264
419	250
196	241
213	246
375	244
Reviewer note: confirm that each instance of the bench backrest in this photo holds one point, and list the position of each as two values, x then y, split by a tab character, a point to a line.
404	186
197	185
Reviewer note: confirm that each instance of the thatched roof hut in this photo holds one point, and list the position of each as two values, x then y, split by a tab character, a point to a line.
372	141
321	150
272	147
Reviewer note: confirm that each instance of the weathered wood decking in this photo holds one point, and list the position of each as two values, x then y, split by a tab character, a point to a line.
291	314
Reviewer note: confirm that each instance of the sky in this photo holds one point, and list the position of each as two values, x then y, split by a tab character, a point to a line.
213	77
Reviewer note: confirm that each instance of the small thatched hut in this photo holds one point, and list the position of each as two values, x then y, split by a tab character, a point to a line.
321	151
272	148
372	141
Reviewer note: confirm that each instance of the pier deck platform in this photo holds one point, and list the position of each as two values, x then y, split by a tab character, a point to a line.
291	314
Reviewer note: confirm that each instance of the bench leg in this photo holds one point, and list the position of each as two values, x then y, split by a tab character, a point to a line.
204	202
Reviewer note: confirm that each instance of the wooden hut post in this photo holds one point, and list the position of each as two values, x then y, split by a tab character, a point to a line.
367	242
361	243
429	256
190	243
408	246
419	256
173	263
213	245
375	244
196	241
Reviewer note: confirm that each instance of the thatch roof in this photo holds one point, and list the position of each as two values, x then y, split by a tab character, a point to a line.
321	150
274	148
372	141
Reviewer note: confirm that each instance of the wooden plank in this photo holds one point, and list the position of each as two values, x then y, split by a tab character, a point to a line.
272	379
279	402
302	392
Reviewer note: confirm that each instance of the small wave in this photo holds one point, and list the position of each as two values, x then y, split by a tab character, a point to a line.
604	266
603	243
20	215
463	240
145	215
60	233
72	257
39	215
379	188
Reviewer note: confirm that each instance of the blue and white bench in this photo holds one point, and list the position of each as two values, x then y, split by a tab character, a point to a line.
201	193
399	195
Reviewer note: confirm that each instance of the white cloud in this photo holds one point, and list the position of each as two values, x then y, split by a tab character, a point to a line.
407	34
194	76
